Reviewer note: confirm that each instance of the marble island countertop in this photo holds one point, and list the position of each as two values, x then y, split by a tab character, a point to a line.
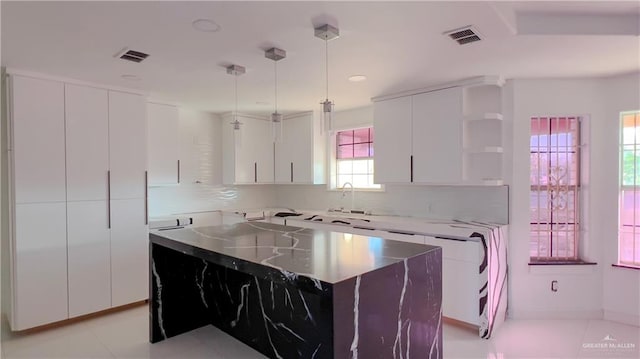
319	255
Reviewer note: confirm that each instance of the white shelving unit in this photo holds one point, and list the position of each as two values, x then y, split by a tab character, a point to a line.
483	134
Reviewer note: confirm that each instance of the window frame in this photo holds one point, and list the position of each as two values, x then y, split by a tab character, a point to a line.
571	190
635	261
332	183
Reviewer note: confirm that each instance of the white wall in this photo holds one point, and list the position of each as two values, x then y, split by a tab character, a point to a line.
621	286
581	288
5	284
201	161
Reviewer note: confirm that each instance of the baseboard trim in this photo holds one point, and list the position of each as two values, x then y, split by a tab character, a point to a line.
624	318
81	318
461	324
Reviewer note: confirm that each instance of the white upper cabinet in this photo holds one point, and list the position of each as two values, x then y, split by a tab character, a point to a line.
127	145
300	155
437	136
419	138
392	156
37	121
87	143
434	136
163	135
248	152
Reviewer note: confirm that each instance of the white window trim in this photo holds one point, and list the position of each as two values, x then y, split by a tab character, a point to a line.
332	162
583	191
622	187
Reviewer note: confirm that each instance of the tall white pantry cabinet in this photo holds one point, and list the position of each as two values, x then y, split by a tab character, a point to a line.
78	183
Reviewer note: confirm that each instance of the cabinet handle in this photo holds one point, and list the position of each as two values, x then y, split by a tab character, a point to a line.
178	171
146	198
291	172
411	168
109	199
255	172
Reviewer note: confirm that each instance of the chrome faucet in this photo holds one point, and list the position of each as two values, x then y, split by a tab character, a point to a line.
352	194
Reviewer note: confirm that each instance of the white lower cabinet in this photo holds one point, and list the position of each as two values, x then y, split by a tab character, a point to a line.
460	278
89	257
129	252
460	290
39	265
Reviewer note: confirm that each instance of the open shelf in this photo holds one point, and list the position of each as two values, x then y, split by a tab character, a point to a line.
483	135
486	116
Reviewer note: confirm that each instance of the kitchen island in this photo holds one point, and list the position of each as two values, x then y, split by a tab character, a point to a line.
291	292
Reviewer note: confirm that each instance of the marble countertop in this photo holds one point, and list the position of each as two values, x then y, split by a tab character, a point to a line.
442	228
320	255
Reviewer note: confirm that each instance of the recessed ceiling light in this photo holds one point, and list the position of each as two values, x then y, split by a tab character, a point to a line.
205	25
129	77
357	78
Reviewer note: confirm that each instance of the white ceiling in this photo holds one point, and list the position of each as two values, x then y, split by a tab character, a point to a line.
397	45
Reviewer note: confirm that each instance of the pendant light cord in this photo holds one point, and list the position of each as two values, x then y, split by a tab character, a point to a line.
235	114
326	45
275	67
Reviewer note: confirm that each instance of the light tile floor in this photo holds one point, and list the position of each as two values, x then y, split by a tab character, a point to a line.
125	335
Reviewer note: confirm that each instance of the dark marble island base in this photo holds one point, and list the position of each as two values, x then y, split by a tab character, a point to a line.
392	311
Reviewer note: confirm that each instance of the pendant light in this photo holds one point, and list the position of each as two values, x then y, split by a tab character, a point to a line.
276	55
236	70
327	32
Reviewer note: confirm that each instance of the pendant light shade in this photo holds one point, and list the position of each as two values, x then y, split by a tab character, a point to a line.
276	55
327	32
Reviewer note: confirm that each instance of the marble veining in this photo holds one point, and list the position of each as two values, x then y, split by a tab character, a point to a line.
356	302
159	299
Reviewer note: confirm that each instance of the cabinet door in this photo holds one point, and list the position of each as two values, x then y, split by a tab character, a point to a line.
163	144
392	146
40	265
437	137
129	252
37	121
460	263
87	142
460	298
263	151
89	260
254	152
127	145
294	154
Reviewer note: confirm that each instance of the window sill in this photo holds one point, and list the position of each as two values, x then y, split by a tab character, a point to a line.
627	266
578	267
561	263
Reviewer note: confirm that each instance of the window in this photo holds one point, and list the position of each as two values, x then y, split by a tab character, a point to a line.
555	188
629	231
354	158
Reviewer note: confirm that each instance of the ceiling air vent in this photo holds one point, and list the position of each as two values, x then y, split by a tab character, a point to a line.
464	35
132	55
